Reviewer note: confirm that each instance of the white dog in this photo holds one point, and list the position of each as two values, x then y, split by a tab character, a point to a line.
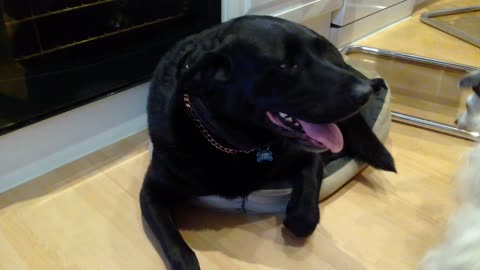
470	120
460	249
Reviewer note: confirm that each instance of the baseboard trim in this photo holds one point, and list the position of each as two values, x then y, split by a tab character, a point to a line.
40	148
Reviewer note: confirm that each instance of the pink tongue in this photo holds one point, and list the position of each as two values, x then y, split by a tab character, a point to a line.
326	134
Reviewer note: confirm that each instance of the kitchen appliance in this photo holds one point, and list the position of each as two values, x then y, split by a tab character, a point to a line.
56	55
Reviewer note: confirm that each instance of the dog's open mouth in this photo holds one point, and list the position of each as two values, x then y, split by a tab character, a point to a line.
320	136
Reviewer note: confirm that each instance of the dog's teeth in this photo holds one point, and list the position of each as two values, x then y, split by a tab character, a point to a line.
296	124
283	115
289	119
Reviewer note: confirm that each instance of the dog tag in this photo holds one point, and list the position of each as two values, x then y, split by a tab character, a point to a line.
264	155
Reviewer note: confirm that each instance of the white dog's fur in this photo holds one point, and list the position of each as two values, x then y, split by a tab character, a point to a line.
470	119
460	249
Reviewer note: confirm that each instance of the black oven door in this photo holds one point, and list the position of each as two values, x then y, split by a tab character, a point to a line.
56	55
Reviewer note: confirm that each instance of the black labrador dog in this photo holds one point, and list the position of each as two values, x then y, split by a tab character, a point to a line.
251	101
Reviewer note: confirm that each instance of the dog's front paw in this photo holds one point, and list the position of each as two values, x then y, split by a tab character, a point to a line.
302	224
186	260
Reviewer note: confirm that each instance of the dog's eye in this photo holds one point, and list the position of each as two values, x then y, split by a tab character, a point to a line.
288	66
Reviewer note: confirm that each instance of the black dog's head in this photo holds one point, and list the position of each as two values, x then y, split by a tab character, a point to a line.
269	77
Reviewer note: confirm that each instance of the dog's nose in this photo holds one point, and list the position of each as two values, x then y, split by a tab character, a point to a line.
456	122
378	84
362	93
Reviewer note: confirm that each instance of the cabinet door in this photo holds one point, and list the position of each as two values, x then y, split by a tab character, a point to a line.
294	10
354	10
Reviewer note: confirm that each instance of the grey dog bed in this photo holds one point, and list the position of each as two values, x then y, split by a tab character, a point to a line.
338	172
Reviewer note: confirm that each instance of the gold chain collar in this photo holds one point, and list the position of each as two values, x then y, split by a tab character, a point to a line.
207	134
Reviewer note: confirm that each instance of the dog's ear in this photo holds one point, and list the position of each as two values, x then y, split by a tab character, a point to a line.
206	72
472	80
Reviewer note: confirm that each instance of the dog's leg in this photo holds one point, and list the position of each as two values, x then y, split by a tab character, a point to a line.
362	143
303	214
156	202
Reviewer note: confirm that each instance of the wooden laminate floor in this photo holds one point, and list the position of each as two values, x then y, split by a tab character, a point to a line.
85	215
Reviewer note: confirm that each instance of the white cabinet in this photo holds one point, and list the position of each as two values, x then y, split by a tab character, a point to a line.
316	14
354	10
359	18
